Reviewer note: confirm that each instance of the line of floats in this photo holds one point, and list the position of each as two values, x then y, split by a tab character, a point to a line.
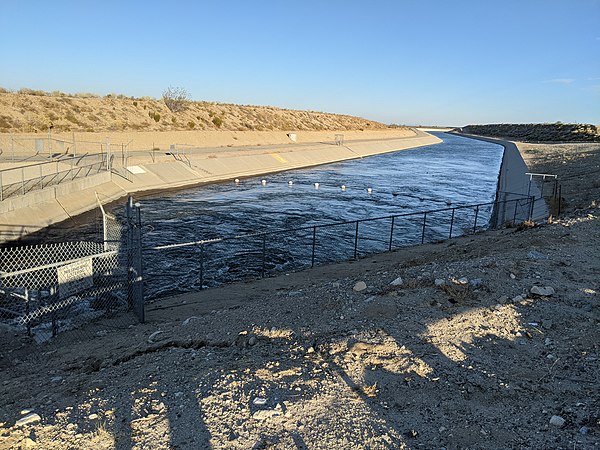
316	185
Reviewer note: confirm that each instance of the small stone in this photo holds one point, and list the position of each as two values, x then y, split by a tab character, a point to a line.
252	340
188	320
547	342
518	299
534	254
397	282
512	276
259	401
545	291
359	286
439	282
156	336
584	430
56	379
310	350
463	280
503	300
547	324
93	416
265	414
557	421
335	284
26	411
28	419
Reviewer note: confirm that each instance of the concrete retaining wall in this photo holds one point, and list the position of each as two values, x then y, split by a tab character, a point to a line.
23	215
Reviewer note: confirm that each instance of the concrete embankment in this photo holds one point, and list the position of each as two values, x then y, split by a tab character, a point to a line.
514	184
31	212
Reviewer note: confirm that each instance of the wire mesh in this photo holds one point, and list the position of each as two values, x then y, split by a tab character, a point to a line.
48	288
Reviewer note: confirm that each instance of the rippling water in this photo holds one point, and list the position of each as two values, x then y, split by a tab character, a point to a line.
457	172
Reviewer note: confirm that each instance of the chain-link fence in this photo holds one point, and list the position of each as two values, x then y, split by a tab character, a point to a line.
49	288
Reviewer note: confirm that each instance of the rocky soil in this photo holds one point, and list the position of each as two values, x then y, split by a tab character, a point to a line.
538	132
485	341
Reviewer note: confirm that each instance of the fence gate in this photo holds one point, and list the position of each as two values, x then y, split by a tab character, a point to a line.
49	288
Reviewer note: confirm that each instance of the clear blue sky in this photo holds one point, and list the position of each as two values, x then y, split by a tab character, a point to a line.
412	62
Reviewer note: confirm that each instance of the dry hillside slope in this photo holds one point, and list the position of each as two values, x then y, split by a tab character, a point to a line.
538	132
30	111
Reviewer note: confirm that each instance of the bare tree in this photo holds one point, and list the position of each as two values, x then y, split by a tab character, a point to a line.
175	98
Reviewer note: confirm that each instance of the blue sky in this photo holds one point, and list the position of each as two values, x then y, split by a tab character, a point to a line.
410	62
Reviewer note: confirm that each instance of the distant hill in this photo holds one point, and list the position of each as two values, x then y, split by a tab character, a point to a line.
538	132
34	111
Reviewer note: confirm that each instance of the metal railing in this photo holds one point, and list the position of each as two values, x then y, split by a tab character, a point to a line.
21	180
210	262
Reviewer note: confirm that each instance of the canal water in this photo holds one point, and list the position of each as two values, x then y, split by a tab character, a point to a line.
457	172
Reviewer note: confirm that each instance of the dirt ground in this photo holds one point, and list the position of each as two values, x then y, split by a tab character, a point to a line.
487	341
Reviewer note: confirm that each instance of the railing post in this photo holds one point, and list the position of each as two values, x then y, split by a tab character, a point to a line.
41	177
532	199
314	242
391	234
356	241
1	188
559	198
201	266
515	212
475	222
423	231
264	253
22	181
451	223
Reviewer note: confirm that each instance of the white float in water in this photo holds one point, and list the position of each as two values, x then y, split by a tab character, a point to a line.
369	190
237	181
264	182
316	185
290	183
343	187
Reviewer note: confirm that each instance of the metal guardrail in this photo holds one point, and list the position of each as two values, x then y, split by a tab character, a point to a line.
258	249
21	180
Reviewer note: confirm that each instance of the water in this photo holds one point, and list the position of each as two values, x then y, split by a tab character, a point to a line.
457	172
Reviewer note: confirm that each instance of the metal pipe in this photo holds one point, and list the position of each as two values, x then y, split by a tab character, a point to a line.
264	253
451	223
314	241
391	234
423	231
356	241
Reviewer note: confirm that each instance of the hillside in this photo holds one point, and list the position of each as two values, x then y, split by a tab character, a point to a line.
30	111
538	132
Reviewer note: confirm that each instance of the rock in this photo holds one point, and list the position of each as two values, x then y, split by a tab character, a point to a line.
156	336
503	300
397	282
545	291
439	282
26	411
93	416
518	299
28	443
547	324
534	254
584	430
188	320
512	276
359	286
547	342
259	401
310	349
56	379
463	280
28	419
265	414
557	421
252	340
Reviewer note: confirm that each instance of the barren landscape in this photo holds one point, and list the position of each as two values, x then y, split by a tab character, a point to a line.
486	341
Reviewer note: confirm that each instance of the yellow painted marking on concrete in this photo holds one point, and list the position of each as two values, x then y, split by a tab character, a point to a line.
278	157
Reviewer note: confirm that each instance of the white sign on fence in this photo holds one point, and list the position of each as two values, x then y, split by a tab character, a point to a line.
74	277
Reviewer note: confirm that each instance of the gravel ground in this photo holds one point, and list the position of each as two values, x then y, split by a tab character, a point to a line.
487	341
